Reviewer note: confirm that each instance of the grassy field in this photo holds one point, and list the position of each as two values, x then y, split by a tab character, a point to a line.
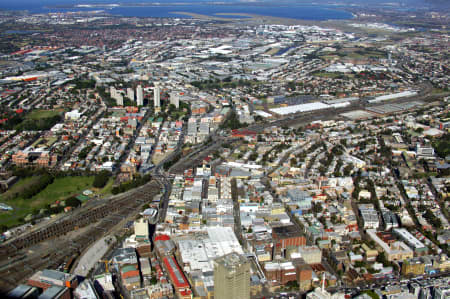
364	55
107	189
45	141
18	187
60	189
272	51
39	114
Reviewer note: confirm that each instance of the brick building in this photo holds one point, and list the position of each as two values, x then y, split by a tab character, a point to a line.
285	237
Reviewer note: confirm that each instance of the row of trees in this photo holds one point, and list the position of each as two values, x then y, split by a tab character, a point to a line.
225	83
136	182
41	124
40	185
232	122
101	179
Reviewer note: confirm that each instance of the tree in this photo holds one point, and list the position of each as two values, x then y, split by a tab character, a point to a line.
153	280
253	156
317	208
101	179
293	162
73	202
381	258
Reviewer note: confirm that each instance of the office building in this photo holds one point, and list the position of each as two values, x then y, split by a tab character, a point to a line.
141	229
232	277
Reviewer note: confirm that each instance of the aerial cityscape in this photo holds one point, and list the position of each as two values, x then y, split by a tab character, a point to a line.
225	150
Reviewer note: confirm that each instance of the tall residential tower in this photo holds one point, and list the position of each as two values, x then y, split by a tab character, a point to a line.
156	96
175	99
140	96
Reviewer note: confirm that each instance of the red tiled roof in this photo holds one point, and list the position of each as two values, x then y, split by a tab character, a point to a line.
162	238
176	275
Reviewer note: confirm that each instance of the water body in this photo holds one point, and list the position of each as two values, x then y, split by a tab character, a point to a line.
168	9
19	32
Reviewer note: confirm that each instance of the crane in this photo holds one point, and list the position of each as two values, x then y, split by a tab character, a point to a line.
106	265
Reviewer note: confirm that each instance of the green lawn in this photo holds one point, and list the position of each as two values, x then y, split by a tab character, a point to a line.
45	142
60	189
39	114
17	188
107	189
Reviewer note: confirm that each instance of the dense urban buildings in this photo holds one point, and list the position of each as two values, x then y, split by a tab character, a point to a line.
231	276
224	156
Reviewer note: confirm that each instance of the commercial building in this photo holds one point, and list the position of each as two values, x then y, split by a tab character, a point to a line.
280	272
198	254
300	108
311	254
177	277
164	246
130	276
413	267
304	276
141	229
408	238
232	277
285	237
47	278
395	251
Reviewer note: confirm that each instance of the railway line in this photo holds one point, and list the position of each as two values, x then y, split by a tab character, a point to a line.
51	245
61	240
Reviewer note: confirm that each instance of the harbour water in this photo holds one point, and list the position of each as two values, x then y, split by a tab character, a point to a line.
134	8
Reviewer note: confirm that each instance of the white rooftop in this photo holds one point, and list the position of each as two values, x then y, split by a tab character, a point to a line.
300	108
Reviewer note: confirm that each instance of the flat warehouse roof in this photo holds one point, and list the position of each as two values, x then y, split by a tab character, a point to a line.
300	108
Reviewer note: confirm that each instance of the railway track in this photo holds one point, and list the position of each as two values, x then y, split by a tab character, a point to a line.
20	258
